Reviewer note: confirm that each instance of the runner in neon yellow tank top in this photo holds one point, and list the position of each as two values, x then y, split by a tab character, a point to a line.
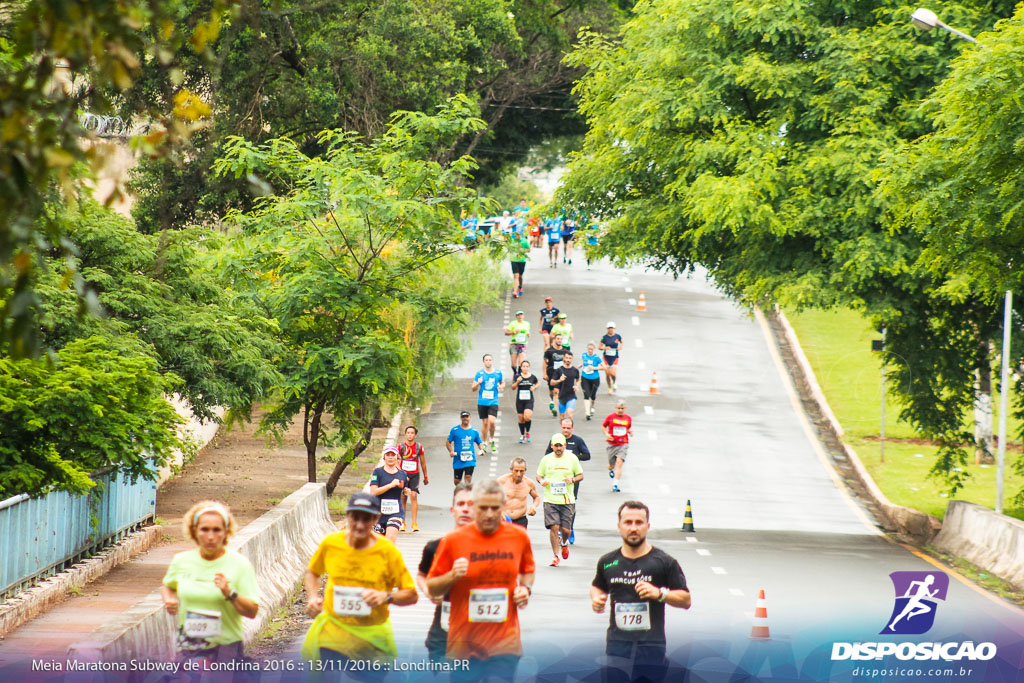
519	330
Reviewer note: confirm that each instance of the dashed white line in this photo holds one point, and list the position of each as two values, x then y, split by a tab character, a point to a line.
691	539
635	319
737	592
632	302
657	461
649	410
652	435
719	570
629	290
703	551
639	343
641	365
664	488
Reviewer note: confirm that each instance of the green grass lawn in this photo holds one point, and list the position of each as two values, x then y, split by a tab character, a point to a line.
838	346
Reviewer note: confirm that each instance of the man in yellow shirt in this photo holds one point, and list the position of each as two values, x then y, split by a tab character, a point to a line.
365	574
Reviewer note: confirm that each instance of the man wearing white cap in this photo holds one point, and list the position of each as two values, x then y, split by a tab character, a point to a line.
558	472
611	346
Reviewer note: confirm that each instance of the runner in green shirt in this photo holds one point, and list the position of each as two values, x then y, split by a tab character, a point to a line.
563	328
557	472
519	330
520	253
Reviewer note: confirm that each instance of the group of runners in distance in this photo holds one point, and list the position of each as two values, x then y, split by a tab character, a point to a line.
481	573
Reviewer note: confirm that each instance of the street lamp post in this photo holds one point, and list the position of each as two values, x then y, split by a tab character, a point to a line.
926	20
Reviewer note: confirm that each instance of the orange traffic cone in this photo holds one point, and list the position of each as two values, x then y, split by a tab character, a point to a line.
654	383
641	303
759	630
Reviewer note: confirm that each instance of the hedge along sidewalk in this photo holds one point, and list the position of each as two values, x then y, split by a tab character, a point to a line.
837	345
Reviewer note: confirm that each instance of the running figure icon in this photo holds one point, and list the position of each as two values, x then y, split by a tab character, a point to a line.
917	595
918	591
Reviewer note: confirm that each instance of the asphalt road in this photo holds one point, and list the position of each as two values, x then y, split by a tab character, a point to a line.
725	434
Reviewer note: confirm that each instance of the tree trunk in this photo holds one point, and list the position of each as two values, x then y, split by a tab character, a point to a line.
342	465
311	436
983	406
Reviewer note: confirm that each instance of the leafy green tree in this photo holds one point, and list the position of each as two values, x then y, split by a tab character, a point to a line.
346	262
96	404
42	156
293	68
511	190
959	189
161	289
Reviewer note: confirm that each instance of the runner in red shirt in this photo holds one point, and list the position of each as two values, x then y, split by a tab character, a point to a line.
413	461
487	570
617	428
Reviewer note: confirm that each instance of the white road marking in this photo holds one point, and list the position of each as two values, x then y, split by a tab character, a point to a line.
639	342
632	302
641	365
652	435
629	290
703	551
691	539
719	570
737	592
658	462
649	410
664	488
636	320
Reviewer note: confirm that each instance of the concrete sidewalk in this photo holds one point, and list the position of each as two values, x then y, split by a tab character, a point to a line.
237	467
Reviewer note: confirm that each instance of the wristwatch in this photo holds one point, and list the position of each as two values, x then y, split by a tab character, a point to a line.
387	599
664	594
234	594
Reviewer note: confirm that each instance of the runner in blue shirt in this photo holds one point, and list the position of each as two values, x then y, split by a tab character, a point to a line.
568	236
388	484
554	230
590	378
611	346
462	442
487	383
591	231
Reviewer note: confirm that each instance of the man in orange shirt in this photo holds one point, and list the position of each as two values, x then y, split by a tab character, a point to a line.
487	570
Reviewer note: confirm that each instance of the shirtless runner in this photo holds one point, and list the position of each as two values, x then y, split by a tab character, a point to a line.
517	488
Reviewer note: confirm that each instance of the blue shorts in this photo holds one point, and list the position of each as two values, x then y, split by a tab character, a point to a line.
565	407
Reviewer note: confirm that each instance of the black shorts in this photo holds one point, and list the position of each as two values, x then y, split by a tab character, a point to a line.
568	238
589	387
465	470
483	412
546	328
414	482
523	406
521	521
518	267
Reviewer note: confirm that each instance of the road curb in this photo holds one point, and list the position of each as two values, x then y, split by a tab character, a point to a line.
917	525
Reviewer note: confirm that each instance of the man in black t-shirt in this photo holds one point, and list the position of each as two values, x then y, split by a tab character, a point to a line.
566	379
640	580
462	514
553	356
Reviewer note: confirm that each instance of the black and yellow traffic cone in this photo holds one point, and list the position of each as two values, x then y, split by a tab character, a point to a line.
688	518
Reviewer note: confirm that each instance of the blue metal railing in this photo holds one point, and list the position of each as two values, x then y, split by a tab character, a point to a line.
42	536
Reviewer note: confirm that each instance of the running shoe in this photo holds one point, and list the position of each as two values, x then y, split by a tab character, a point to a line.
572	537
522	439
514	295
588	417
615	488
565	552
570	262
551	406
415	526
555	561
609	389
402	528
494	446
611	474
520	291
527	437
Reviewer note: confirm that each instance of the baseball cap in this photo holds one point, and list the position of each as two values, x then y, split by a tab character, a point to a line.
558	438
464	413
363	502
520	312
562	315
547	298
390	449
610	324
